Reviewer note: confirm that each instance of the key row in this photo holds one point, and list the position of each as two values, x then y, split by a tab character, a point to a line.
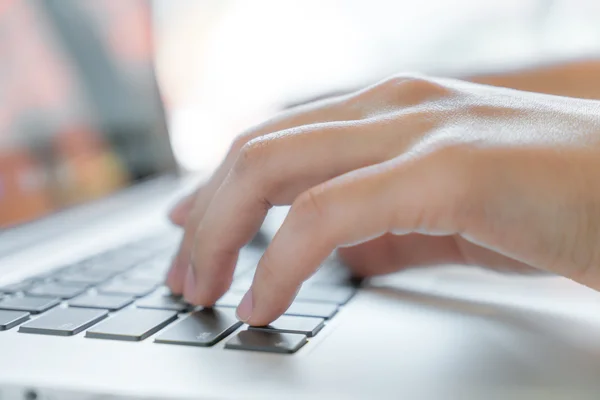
310	302
203	328
148	258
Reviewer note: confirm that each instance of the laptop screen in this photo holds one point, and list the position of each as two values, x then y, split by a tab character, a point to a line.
80	111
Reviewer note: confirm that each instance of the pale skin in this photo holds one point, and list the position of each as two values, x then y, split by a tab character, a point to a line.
409	172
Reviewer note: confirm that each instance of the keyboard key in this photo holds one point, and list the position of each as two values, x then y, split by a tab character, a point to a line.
64	321
128	287
202	328
271	342
56	290
163	291
10	319
288	324
306	309
162	302
157	243
116	261
132	325
114	267
33	305
230	299
144	276
103	302
332	274
298	308
90	277
16	287
158	264
336	295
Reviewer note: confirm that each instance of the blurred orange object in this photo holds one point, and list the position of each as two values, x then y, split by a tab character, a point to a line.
88	169
23	191
55	148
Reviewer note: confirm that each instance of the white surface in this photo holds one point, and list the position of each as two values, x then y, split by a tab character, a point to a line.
226	64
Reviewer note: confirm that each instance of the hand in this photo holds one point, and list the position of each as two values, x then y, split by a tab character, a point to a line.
409	172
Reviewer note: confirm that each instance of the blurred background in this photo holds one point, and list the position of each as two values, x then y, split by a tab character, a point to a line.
88	88
225	64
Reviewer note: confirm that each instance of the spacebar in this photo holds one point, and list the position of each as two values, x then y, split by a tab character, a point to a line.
132	325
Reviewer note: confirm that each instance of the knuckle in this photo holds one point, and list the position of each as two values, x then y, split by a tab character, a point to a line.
401	90
396	82
412	89
239	142
419	89
251	156
378	92
309	207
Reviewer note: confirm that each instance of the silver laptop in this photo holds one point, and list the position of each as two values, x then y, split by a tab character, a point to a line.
85	245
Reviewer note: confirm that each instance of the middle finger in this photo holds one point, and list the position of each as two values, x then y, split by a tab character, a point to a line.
274	170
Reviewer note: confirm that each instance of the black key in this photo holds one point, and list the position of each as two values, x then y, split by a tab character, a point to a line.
64	321
128	287
319	310
337	295
271	342
10	319
132	325
90	277
202	328
53	289
16	287
230	299
103	302
33	305
162	302
288	324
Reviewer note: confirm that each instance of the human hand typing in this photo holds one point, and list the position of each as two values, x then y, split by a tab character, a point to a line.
409	172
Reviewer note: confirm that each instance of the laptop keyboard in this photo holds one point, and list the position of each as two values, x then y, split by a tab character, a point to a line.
119	295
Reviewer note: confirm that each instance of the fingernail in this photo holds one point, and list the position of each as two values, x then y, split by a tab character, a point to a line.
189	291
244	310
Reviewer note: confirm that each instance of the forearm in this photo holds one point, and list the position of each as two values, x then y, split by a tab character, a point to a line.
579	79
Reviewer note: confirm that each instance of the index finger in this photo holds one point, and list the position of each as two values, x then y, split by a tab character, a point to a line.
322	111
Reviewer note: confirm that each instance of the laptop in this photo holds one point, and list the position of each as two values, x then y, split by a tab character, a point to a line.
85	245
